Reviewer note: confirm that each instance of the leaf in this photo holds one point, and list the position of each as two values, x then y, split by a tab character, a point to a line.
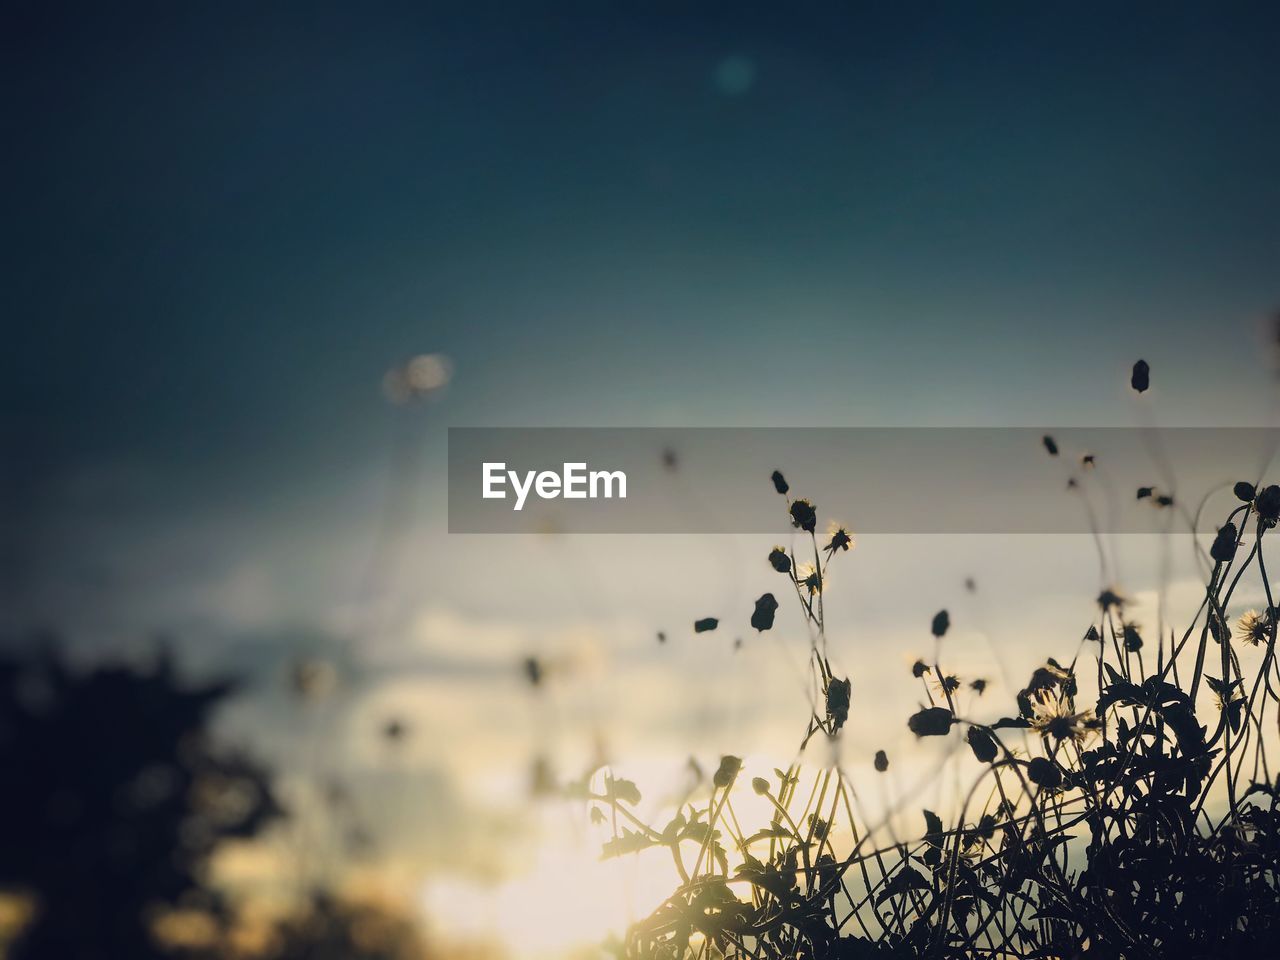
627	842
1234	710
1044	772
671	832
982	744
933	828
1014	723
905	880
705	624
779	482
1050	445
774	831
624	791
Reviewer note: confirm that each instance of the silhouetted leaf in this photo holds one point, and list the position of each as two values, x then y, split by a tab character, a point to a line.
982	744
1051	445
906	879
705	624
779	482
1044	772
881	761
626	842
622	790
933	828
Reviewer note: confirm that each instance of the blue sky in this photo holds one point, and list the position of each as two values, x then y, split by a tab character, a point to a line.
227	227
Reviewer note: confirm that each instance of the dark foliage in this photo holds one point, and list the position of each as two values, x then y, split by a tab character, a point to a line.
1121	823
113	803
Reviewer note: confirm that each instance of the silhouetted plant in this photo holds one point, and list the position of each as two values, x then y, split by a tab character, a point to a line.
1124	824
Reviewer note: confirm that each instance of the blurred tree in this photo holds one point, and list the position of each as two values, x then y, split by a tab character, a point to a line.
114	800
335	929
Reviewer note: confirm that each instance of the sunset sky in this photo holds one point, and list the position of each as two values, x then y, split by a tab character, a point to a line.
223	231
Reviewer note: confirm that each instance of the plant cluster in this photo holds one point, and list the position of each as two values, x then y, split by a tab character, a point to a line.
1125	805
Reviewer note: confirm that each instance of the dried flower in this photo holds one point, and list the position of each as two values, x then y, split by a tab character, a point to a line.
1140	379
804	516
1109	598
1224	544
766	607
809	578
1267	504
841	539
1053	717
948	684
1254	628
941	623
779	560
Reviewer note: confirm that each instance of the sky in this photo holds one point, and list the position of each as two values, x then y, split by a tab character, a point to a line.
226	223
